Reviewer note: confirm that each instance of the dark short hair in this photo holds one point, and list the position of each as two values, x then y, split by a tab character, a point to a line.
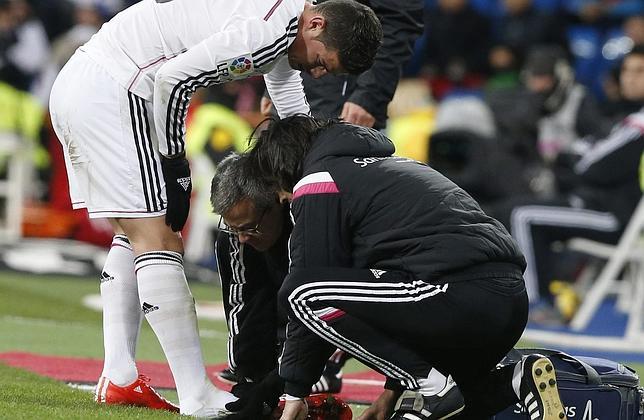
280	149
236	179
353	30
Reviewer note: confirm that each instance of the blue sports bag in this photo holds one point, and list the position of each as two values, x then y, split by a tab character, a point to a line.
590	388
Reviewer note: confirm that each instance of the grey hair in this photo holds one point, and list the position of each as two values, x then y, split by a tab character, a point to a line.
235	180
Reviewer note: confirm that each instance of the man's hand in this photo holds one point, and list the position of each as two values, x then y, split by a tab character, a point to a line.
355	114
382	408
256	399
295	410
178	186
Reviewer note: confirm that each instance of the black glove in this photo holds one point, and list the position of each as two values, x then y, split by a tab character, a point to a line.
178	186
256	399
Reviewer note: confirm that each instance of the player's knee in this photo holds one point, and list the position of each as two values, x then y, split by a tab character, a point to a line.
151	234
157	241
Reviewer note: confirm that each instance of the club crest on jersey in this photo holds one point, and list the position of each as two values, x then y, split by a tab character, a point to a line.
240	66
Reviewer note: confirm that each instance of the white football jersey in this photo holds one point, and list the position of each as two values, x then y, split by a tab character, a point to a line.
163	50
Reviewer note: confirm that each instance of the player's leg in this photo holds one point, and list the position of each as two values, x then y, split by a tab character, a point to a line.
323	301
169	309
111	151
401	326
87	116
121	316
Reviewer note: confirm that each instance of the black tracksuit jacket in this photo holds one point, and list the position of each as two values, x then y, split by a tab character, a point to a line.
388	213
250	280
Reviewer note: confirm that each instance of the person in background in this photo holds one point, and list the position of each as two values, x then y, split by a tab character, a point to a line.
601	191
457	45
522	26
24	46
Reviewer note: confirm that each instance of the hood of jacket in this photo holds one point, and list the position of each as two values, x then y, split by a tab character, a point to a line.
344	139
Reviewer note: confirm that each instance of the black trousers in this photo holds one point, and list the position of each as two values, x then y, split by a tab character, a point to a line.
403	327
537	224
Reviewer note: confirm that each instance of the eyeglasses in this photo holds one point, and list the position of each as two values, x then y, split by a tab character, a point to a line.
254	231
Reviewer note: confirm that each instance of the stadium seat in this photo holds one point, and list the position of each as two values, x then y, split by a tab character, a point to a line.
626	257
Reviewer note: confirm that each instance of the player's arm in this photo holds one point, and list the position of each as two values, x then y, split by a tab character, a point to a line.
284	85
250	306
402	24
248	47
320	238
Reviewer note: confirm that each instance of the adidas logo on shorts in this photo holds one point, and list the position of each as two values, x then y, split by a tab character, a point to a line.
147	308
184	182
377	273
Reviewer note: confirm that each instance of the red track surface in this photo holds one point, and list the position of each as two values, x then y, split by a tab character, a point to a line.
361	387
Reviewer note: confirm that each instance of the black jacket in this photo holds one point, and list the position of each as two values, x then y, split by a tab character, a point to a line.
402	24
250	280
358	206
606	177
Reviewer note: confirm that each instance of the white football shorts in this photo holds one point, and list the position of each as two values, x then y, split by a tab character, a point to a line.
109	142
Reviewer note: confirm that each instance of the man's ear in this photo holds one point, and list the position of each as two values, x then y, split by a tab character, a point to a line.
316	22
284	196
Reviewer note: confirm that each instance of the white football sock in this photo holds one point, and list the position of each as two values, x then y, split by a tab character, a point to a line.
435	383
170	309
121	313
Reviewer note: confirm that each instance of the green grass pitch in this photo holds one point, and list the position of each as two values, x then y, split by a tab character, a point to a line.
44	315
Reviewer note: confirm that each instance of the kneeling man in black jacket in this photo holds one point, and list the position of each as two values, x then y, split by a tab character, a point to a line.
396	265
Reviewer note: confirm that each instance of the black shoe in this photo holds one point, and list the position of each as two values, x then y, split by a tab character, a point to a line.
538	389
412	405
228	376
330	383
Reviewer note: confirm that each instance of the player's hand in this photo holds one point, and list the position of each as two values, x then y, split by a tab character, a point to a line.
256	399
178	187
355	114
295	410
382	408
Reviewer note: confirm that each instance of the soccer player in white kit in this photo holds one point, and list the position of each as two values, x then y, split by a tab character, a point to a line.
119	106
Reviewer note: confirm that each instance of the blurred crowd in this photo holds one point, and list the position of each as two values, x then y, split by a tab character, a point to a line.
502	96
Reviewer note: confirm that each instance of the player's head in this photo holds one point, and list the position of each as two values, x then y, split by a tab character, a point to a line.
336	36
248	204
632	75
281	148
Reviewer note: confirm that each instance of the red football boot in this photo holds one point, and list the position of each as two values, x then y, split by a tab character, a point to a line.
138	393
